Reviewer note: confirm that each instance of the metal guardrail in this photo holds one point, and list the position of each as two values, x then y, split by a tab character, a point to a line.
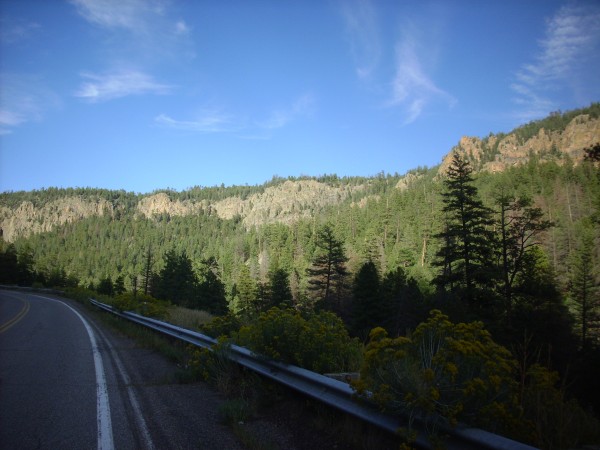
332	392
14	287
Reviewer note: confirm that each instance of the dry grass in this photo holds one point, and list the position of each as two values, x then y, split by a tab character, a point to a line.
188	318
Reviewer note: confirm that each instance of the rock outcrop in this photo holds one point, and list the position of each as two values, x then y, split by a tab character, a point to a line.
284	203
157	204
27	219
507	150
292	200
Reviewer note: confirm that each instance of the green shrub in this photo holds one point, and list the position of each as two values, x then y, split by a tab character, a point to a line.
214	366
192	319
222	326
235	411
318	342
554	420
83	295
142	304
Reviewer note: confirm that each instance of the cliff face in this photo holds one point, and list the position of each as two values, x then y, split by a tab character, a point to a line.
284	203
160	203
27	219
509	150
292	200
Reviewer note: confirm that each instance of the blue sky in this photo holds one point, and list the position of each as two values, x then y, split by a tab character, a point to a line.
148	94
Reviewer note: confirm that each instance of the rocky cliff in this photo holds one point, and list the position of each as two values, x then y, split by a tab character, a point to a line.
283	203
27	219
498	152
158	204
291	200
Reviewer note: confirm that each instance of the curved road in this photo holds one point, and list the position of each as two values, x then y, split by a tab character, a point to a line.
65	382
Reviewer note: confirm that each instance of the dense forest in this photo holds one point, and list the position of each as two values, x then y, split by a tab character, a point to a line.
517	250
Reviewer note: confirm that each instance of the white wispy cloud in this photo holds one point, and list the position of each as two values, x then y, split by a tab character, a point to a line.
206	122
17	30
24	99
218	121
572	37
412	88
154	33
362	30
133	15
123	83
302	106
181	27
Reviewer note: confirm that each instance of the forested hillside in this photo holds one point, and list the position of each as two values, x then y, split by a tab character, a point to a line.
506	231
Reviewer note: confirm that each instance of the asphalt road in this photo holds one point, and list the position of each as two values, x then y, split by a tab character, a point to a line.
67	382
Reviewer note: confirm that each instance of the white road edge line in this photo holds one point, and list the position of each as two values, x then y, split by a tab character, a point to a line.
105	433
135	404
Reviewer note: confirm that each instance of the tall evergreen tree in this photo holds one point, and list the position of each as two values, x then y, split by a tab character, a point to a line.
246	296
106	286
584	287
9	269
403	302
177	281
466	254
519	226
211	290
368	310
328	270
280	293
592	156
25	267
147	275
119	285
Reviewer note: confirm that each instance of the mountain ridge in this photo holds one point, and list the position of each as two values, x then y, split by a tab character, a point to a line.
559	137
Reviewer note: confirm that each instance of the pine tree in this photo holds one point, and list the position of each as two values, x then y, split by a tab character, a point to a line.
584	287
246	293
328	270
368	310
147	275
119	285
106	286
403	302
9	270
177	281
519	226
25	267
211	291
280	294
466	253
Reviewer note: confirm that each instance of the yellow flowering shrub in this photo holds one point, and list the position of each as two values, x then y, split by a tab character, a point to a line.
442	374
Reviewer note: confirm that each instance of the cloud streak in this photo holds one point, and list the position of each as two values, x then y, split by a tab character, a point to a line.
216	121
119	84
132	15
412	88
362	31
154	33
303	106
207	122
24	99
13	32
571	35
